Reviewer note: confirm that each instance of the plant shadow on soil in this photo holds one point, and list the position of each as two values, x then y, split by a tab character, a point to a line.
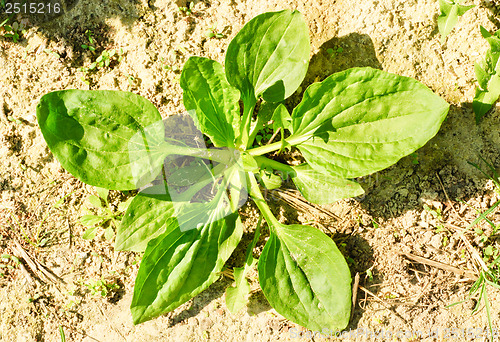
68	29
494	16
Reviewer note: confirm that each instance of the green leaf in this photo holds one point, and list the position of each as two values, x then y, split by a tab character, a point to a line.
103	193
323	188
236	296
269	57
123	206
90	220
448	18
109	233
282	118
377	118
95	201
149	214
160	208
109	139
249	163
179	265
264	115
89	234
266	111
269	179
210	100
190	174
197	239
488	76
305	278
484	100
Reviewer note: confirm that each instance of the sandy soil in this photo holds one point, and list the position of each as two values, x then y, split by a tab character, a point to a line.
40	203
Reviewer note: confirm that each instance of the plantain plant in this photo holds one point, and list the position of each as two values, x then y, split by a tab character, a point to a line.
185	217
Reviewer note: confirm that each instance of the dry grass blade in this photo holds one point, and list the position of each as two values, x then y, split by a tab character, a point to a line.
355	287
469	274
475	254
36	267
295	199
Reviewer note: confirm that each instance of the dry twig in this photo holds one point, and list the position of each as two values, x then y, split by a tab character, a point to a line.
42	272
469	274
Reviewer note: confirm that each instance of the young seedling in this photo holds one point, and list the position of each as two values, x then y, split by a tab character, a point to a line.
448	18
186	10
105	215
53	53
168	66
213	33
90	46
488	76
102	287
14	120
334	52
13	31
103	61
186	220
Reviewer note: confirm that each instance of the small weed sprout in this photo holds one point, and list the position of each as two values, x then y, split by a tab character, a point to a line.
90	46
14	31
186	10
333	52
53	53
102	287
105	218
213	33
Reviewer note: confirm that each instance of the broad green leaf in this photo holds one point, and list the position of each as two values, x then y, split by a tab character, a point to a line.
266	110
179	265
147	216
323	188
448	18
211	100
236	296
488	76
376	118
198	237
305	278
109	139
269	57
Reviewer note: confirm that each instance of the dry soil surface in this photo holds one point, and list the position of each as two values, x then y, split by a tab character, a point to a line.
418	206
